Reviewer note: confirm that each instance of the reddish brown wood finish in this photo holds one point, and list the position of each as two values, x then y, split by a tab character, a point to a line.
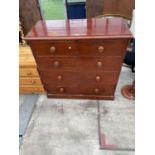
96	28
103	90
81	96
66	78
80	64
80	47
80	58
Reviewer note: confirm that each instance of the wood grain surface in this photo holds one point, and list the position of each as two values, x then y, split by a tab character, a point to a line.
80	58
95	28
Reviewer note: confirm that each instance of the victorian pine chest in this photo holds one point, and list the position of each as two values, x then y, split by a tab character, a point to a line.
29	80
80	58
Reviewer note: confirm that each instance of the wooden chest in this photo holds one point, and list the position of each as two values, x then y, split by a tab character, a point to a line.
80	58
29	80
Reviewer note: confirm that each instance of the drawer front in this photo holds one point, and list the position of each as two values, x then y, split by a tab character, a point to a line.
30	81
72	90
28	72
27	60
54	48
31	89
78	79
93	64
102	47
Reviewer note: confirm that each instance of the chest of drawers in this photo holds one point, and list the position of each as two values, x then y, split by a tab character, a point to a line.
29	80
80	58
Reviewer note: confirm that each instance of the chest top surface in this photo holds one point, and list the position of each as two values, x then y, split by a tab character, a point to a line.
95	28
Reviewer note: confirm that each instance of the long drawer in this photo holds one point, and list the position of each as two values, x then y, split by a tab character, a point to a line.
28	72
78	79
80	48
31	89
29	81
93	64
84	90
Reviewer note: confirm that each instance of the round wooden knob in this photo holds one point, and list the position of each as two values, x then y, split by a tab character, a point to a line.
32	82
99	64
98	78
96	90
29	73
100	49
52	49
69	47
56	64
59	77
61	90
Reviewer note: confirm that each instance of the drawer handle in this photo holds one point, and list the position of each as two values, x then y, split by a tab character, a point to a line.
32	82
61	90
56	64
101	49
96	90
29	73
98	78
59	77
52	49
69	47
99	64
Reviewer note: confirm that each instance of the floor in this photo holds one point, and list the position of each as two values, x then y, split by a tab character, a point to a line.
70	127
26	107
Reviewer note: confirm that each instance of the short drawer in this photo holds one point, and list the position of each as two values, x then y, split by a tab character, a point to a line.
85	90
93	64
54	48
29	81
79	79
28	72
115	47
